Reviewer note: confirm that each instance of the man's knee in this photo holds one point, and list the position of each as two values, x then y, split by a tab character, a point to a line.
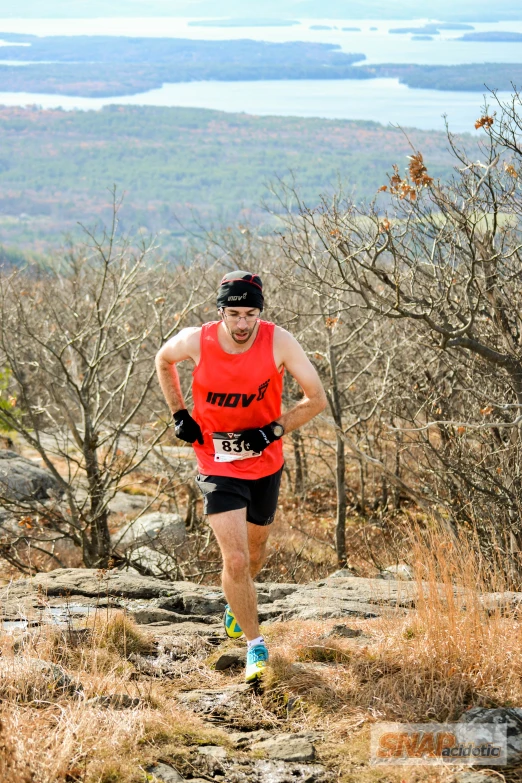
236	564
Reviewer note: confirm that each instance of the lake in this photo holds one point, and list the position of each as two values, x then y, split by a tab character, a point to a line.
381	100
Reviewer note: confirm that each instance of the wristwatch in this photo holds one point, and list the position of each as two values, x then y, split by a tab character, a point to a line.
278	430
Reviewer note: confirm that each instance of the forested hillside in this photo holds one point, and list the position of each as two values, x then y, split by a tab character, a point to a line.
187	164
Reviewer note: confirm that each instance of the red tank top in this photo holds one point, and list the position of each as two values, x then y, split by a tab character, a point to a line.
237	391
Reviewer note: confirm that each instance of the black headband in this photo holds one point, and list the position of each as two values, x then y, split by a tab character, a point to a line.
240	289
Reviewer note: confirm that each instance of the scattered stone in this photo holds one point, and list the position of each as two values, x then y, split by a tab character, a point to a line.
285	772
344	631
399	571
216	751
475	777
242	739
266	593
165	774
342	572
512	717
115	701
287	747
39	680
229	659
23	479
57	677
150	529
22	642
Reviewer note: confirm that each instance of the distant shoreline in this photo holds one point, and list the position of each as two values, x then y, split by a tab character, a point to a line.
243	23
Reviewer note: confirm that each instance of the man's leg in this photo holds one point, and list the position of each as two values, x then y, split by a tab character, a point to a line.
230	529
257	540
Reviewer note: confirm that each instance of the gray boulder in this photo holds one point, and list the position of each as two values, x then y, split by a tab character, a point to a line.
512	717
229	659
23	479
156	530
157	563
124	503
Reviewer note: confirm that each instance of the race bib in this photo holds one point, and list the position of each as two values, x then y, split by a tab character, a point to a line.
227	449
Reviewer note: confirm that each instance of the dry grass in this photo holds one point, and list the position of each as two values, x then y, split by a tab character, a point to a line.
51	731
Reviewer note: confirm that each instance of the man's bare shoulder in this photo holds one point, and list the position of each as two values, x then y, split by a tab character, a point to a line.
183	345
285	346
190	334
283	338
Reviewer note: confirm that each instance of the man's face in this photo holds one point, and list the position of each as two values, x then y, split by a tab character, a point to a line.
240	322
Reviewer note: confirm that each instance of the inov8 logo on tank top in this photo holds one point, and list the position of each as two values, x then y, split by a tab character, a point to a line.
234	392
233	399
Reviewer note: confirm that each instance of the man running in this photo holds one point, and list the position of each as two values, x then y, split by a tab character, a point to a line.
236	428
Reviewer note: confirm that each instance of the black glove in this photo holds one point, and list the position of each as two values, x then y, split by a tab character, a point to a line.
258	439
186	427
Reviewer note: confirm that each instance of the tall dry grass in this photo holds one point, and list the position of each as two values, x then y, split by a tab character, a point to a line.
456	649
52	727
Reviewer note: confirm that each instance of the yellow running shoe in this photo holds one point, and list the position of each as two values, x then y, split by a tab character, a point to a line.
232	629
257	659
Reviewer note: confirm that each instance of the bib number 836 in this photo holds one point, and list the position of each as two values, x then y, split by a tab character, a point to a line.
231	446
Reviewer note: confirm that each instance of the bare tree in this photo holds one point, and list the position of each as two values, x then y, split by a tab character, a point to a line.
444	259
78	341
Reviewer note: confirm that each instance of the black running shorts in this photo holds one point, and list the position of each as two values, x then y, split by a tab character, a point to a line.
258	496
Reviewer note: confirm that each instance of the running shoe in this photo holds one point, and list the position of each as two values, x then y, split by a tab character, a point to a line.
232	629
257	659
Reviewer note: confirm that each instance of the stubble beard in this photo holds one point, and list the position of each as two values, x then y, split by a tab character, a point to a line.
243	334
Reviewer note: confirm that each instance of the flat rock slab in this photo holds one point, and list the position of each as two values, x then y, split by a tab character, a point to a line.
216	751
287	747
207	702
189	629
334	597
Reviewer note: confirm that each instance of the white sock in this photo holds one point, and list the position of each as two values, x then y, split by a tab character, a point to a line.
257	640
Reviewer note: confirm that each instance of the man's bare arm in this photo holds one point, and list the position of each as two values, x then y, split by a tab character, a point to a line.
289	353
184	345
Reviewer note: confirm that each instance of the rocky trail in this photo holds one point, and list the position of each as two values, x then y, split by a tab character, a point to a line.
184	622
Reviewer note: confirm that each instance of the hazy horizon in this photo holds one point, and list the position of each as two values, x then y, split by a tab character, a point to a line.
465	10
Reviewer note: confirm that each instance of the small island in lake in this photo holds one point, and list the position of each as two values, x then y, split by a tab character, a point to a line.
493	36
